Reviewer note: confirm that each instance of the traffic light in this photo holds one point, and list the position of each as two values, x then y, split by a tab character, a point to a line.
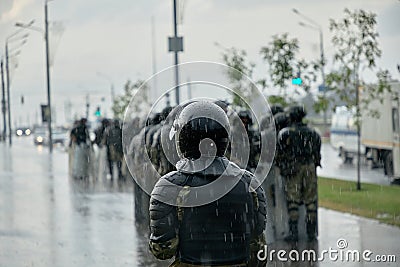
297	80
98	112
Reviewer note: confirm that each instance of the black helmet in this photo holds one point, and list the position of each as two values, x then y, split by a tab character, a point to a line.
245	116
196	124
296	113
156	119
276	108
281	121
165	112
105	122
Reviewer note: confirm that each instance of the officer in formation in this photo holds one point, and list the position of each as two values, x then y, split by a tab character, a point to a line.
192	235
224	232
298	155
244	133
270	126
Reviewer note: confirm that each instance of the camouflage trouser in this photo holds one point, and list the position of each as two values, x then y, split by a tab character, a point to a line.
301	187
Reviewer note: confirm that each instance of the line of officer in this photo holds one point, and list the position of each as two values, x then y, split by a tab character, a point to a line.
225	232
270	127
148	141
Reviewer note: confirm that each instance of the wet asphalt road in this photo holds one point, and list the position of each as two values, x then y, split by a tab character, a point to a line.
333	167
50	219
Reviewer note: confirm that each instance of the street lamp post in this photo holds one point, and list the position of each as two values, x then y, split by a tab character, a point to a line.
46	37
8	39
3	101
8	96
176	58
176	46
317	27
46	23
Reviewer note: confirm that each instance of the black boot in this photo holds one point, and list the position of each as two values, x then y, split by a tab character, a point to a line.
312	231
293	232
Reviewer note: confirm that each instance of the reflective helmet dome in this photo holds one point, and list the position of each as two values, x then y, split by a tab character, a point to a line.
202	128
296	113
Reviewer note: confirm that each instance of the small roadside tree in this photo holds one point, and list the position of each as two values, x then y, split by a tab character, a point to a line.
283	66
140	103
355	40
240	69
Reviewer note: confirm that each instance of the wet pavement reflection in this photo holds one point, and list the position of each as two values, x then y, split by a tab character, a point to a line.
333	167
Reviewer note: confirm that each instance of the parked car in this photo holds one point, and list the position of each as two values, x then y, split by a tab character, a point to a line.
41	135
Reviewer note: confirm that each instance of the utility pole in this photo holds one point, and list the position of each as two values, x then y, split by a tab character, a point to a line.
315	26
3	102
46	22
87	106
176	46
46	37
154	63
321	43
8	97
358	116
176	58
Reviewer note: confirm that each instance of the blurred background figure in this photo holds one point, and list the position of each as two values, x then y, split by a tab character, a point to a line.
113	141
80	145
99	132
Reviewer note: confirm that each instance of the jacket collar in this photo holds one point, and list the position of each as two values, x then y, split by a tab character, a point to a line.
209	167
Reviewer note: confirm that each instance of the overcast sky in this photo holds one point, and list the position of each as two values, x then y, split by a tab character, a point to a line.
114	38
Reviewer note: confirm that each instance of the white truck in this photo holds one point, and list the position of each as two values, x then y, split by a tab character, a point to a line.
381	136
343	134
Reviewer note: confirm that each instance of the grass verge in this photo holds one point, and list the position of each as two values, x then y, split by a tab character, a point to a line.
379	202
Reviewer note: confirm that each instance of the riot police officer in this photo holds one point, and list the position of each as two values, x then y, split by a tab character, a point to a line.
224	232
298	153
250	137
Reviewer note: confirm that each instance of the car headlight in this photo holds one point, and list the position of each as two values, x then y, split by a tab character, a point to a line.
39	139
27	131
19	132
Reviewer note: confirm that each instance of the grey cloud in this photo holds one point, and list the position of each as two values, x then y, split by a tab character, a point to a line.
389	21
5	6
